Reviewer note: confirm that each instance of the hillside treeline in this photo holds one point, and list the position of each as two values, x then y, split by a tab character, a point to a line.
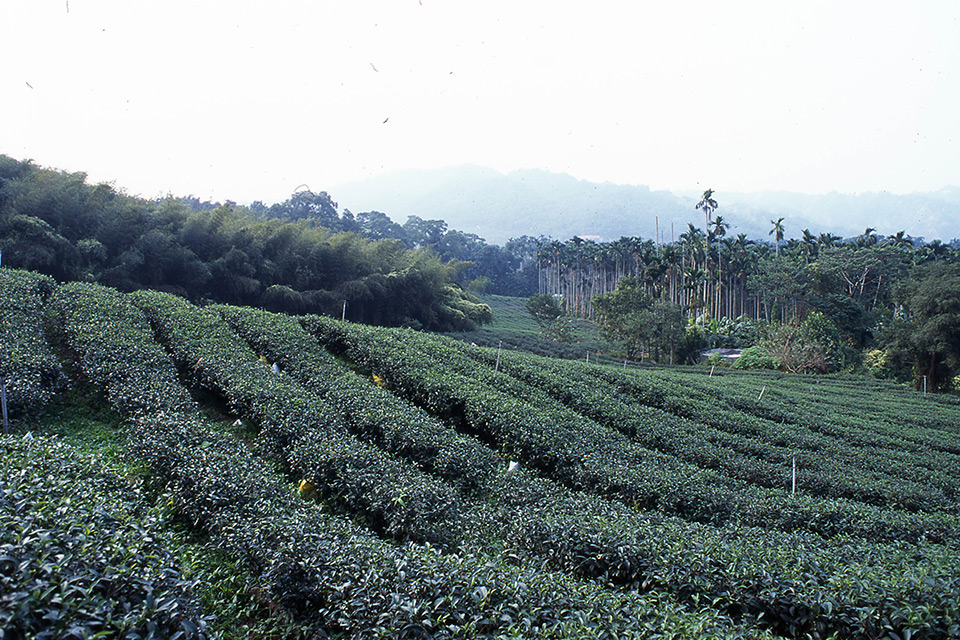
731	277
815	303
509	270
298	256
852	281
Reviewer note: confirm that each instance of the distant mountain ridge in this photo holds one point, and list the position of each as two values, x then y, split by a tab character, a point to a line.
498	206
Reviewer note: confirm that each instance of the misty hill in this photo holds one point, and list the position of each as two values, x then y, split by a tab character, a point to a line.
499	206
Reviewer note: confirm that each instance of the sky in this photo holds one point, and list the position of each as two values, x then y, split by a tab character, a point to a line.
250	100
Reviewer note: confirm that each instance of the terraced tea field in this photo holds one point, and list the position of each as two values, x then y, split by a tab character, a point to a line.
390	483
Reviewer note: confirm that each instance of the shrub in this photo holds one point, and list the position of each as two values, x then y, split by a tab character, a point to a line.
755	357
32	372
79	556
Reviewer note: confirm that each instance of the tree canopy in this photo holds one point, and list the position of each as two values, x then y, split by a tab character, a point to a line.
925	334
630	317
301	255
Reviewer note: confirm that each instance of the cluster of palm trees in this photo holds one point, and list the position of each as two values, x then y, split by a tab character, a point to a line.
712	275
685	272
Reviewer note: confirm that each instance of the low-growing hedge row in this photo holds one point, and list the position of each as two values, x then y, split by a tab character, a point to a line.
811	415
547	437
389	493
323	568
527	517
372	413
93	319
835	443
570	383
564	445
32	371
914	427
856	473
798	584
849	472
79	556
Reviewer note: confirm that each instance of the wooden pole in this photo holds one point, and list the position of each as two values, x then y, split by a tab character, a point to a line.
497	367
794	491
761	393
3	403
711	370
343	316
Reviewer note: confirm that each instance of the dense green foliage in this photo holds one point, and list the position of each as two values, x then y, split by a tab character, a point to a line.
544	309
506	270
811	346
27	363
926	333
79	553
559	499
857	285
546	312
710	274
630	317
299	259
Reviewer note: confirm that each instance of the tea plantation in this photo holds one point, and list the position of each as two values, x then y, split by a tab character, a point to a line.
175	471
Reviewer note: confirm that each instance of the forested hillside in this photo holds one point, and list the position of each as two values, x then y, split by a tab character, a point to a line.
293	258
817	303
722	276
222	471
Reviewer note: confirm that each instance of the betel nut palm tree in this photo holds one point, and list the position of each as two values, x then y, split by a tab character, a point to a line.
777	232
708	205
720	227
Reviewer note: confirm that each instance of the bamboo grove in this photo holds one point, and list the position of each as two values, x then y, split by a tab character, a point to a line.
297	256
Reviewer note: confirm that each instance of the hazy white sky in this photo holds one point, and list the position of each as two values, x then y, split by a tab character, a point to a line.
247	100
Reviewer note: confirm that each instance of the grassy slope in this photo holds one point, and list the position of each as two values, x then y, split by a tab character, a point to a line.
515	328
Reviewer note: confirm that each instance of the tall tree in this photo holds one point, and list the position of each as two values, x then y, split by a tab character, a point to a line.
424	233
868	238
926	336
808	245
720	227
777	232
828	240
630	317
708	205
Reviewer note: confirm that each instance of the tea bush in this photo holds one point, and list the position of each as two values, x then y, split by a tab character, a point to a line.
80	556
324	569
528	425
296	425
371	412
523	555
32	371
